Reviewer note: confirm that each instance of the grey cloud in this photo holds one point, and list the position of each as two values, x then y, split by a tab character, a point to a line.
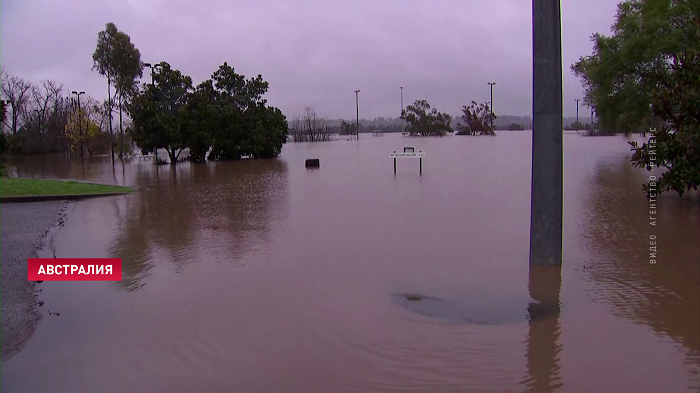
313	53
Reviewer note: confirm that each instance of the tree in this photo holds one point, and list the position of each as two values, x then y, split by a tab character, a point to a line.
4	112
102	62
575	126
347	128
224	118
424	121
310	128
44	100
117	58
477	120
267	131
80	128
18	92
515	127
158	113
649	36
202	117
239	102
675	145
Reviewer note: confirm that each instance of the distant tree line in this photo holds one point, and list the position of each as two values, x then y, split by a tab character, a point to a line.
222	118
43	118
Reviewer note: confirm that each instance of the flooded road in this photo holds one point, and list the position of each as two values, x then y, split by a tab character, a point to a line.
263	276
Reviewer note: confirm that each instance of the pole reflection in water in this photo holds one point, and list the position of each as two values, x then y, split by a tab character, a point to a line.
543	345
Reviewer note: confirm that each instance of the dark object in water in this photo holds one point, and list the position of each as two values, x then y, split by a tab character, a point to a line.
313	163
413	298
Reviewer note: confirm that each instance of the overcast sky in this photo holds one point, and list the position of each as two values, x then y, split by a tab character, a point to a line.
313	53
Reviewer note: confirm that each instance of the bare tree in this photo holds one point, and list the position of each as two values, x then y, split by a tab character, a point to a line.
44	101
18	92
296	130
310	128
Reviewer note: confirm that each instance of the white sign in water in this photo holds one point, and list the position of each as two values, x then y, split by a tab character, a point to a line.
408	155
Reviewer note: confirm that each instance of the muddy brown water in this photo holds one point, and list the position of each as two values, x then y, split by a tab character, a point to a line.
263	276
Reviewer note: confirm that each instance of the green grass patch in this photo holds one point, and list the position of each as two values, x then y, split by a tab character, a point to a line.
12	186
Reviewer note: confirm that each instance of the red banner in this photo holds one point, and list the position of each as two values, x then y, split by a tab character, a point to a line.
74	269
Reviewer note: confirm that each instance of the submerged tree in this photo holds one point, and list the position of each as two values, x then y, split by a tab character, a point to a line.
117	58
158	113
347	128
478	120
81	130
649	36
243	116
224	118
310	128
424	121
675	145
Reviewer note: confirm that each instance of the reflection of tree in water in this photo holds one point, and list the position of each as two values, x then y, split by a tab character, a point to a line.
200	213
543	347
664	296
60	166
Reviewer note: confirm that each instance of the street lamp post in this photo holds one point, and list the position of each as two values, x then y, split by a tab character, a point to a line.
402	119
357	107
577	100
40	115
491	102
80	123
153	68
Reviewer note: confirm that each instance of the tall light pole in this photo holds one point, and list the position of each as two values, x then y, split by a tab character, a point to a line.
402	120
40	115
547	187
491	102
577	100
80	123
153	68
357	107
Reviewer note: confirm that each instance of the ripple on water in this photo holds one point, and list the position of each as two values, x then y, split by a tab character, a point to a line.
466	309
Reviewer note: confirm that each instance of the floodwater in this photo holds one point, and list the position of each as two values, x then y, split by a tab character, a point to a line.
263	276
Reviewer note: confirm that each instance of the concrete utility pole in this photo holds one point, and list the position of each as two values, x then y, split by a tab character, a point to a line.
357	106
491	102
547	187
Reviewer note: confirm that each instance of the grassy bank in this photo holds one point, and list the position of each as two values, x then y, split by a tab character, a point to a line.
11	186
